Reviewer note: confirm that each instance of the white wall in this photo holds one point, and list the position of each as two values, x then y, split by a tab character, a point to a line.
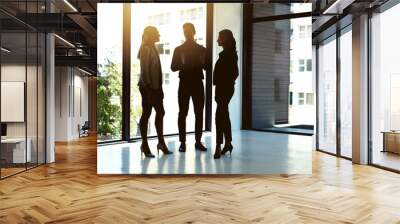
230	16
17	73
33	125
70	84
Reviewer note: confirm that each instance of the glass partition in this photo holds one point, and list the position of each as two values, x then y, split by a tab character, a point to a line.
327	95
22	92
14	151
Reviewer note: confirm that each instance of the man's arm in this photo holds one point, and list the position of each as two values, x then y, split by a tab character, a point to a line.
176	61
203	58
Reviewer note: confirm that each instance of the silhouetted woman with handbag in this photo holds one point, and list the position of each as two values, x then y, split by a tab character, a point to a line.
225	73
150	87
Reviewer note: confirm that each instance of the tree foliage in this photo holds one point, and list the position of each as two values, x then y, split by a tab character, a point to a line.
109	95
109	101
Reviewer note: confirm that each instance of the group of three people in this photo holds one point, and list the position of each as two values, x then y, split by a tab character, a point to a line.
190	60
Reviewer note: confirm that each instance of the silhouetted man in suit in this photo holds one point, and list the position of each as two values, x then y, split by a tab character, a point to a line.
189	60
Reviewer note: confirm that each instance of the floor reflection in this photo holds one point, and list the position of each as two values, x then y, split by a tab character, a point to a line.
253	153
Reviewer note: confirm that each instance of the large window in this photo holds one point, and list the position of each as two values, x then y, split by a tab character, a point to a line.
282	79
327	95
109	59
385	89
111	98
346	92
168	18
335	60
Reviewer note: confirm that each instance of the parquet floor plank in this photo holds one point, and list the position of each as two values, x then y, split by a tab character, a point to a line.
70	191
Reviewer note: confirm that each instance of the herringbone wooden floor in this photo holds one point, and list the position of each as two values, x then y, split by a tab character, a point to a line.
70	191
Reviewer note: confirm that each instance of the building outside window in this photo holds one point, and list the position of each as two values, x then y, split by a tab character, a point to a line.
301	77
310	98
305	65
302	31
301	98
309	65
302	65
166	78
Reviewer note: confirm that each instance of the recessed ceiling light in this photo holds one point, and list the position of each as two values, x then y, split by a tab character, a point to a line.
70	5
64	40
5	50
84	71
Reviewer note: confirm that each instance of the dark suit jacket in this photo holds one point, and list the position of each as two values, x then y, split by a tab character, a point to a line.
226	69
189	60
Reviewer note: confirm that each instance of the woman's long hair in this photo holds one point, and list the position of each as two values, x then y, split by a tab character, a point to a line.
149	34
229	42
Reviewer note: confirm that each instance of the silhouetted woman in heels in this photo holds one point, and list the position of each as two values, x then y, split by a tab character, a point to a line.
225	73
150	87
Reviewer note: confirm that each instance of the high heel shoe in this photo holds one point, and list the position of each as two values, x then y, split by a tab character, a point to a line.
227	148
163	148
217	153
146	151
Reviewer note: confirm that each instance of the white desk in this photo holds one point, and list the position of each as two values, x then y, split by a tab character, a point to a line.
18	150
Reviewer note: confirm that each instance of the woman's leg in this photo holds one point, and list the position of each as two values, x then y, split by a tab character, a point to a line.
218	125
218	119
159	121
227	122
144	119
227	127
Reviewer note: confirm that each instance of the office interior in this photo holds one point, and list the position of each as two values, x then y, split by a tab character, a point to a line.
48	93
312	80
336	98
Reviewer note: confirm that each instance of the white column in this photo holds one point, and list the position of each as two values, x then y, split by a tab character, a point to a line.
360	90
50	99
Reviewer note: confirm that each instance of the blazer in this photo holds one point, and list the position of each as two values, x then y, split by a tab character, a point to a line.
226	69
150	68
189	60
